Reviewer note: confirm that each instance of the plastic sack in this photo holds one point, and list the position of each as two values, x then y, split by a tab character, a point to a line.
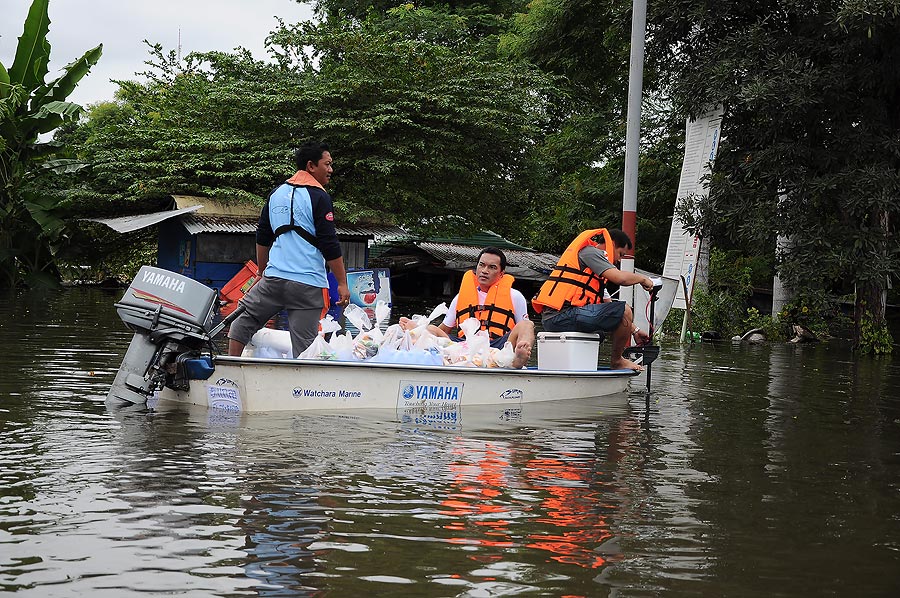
479	344
469	327
454	353
407	341
365	349
438	311
412	357
266	353
319	349
358	317
343	346
270	344
375	336
426	341
501	358
328	324
392	337
382	313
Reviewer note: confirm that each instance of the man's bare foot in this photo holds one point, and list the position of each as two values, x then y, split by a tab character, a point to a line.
626	364
523	354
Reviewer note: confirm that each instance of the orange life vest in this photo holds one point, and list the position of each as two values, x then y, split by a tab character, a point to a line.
497	315
568	283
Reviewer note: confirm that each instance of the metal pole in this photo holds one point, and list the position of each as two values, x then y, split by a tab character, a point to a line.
633	133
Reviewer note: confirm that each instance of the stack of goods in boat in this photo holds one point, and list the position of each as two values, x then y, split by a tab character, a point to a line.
417	345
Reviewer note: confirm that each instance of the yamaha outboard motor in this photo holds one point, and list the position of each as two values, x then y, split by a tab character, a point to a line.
171	316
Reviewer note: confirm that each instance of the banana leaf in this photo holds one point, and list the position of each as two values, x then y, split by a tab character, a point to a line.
33	52
4	82
48	117
59	89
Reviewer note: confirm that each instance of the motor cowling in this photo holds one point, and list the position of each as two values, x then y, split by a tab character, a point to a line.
171	316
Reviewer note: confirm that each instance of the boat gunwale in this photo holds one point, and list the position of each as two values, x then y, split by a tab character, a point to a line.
599	373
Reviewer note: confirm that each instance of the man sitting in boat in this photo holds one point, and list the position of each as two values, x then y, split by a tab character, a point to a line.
571	300
486	294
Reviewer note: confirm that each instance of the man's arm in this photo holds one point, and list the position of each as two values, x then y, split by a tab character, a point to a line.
594	259
448	324
337	268
626	279
262	257
264	238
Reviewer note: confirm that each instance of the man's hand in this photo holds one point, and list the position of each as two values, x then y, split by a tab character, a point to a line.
344	294
647	284
641	338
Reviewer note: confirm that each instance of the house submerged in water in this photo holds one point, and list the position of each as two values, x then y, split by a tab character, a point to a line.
212	242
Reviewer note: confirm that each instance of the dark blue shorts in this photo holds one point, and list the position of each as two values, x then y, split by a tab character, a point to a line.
592	318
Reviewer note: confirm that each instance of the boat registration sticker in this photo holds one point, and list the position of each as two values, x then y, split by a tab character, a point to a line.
431	395
226	398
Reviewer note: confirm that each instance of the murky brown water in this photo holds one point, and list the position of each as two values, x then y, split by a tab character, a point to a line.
758	471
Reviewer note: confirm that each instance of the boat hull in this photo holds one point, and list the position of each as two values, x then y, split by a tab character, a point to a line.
257	385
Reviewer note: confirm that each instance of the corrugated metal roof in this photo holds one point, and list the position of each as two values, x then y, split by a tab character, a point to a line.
521	263
204	223
481	239
127	224
380	232
196	223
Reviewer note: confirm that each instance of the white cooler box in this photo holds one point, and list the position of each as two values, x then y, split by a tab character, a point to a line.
574	351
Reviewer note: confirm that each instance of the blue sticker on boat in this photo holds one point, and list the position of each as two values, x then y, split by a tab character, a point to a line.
430	395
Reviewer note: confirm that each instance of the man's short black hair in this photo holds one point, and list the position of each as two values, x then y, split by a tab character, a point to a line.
311	151
620	238
494	251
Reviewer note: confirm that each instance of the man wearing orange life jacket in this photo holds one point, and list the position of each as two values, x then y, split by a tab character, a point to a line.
487	294
571	300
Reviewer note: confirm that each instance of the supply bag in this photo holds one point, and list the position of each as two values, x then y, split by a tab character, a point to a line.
319	349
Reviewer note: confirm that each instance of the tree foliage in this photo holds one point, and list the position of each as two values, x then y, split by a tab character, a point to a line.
811	147
420	126
32	226
585	46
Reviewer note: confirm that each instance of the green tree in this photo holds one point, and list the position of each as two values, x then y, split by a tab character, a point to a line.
585	46
811	131
420	125
32	228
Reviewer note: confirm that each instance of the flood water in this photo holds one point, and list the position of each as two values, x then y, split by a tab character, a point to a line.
757	471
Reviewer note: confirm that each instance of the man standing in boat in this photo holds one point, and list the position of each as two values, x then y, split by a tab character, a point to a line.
486	294
571	300
295	239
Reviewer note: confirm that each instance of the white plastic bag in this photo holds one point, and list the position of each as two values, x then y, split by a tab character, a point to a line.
392	337
501	358
455	353
319	349
382	313
469	327
328	324
438	311
343	346
358	317
271	344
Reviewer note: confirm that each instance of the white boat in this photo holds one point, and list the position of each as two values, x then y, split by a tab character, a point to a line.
170	359
252	385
